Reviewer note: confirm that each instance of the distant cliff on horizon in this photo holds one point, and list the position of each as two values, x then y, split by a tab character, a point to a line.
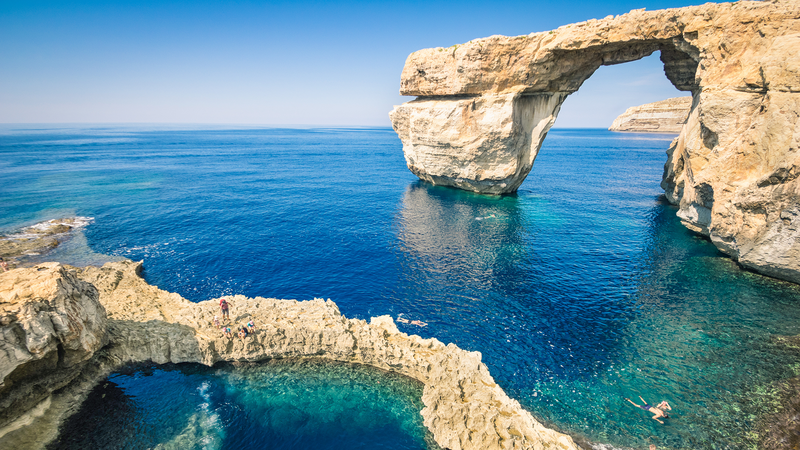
665	116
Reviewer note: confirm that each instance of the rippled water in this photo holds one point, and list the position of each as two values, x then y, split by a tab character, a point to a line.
275	405
581	290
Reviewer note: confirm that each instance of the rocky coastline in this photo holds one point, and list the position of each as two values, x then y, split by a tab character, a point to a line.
483	109
666	116
18	248
64	329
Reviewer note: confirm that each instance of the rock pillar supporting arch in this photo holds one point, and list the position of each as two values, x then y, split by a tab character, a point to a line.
484	143
484	107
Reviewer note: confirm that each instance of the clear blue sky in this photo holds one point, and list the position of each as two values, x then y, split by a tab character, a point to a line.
271	63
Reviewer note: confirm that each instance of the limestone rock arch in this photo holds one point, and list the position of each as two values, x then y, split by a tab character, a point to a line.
483	109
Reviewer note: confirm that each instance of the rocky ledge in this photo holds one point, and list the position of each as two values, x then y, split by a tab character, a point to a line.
483	109
64	329
666	116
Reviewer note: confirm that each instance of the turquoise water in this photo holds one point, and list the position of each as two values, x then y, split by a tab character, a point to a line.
276	405
579	291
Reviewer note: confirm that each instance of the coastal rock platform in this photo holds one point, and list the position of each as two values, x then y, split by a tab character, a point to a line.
666	116
464	407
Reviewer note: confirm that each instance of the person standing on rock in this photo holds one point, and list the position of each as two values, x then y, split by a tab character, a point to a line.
223	305
4	265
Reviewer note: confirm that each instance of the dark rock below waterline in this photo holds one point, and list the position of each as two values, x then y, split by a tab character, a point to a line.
782	430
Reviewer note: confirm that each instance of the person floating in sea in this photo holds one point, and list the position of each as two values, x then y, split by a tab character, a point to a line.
223	305
418	323
658	411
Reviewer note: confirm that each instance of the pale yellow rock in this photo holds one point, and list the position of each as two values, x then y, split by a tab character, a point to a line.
464	407
665	116
51	325
733	170
485	144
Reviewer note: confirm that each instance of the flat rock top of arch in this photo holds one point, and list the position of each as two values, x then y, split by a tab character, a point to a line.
735	37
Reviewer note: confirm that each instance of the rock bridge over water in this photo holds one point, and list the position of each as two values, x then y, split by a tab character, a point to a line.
483	109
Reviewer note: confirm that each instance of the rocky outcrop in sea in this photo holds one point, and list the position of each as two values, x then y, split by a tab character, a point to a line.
18	248
666	116
63	329
484	107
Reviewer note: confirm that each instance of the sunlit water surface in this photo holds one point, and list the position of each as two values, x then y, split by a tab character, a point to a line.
579	291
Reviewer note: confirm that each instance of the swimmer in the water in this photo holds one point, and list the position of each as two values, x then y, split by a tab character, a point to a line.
658	411
418	323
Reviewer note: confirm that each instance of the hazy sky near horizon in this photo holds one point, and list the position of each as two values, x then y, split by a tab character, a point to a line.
273	62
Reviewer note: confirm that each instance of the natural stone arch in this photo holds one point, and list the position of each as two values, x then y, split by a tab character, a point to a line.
483	109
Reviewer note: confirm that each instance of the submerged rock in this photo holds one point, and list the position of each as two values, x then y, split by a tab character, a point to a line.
483	109
666	116
464	407
37	239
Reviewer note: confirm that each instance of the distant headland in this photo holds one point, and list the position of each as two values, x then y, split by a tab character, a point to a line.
665	116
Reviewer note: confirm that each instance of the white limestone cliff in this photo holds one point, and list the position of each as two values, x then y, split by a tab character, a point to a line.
665	116
483	109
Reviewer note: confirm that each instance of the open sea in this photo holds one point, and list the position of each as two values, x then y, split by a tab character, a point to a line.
580	290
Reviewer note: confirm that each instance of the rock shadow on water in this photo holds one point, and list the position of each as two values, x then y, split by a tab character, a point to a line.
276	404
104	420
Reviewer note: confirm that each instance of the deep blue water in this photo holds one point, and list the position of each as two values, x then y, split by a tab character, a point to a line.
579	291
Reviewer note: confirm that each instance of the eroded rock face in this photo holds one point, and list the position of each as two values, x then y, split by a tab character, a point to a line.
666	116
50	324
733	170
464	407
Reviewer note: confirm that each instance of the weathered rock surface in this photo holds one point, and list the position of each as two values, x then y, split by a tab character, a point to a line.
666	116
484	107
464	407
37	239
51	323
